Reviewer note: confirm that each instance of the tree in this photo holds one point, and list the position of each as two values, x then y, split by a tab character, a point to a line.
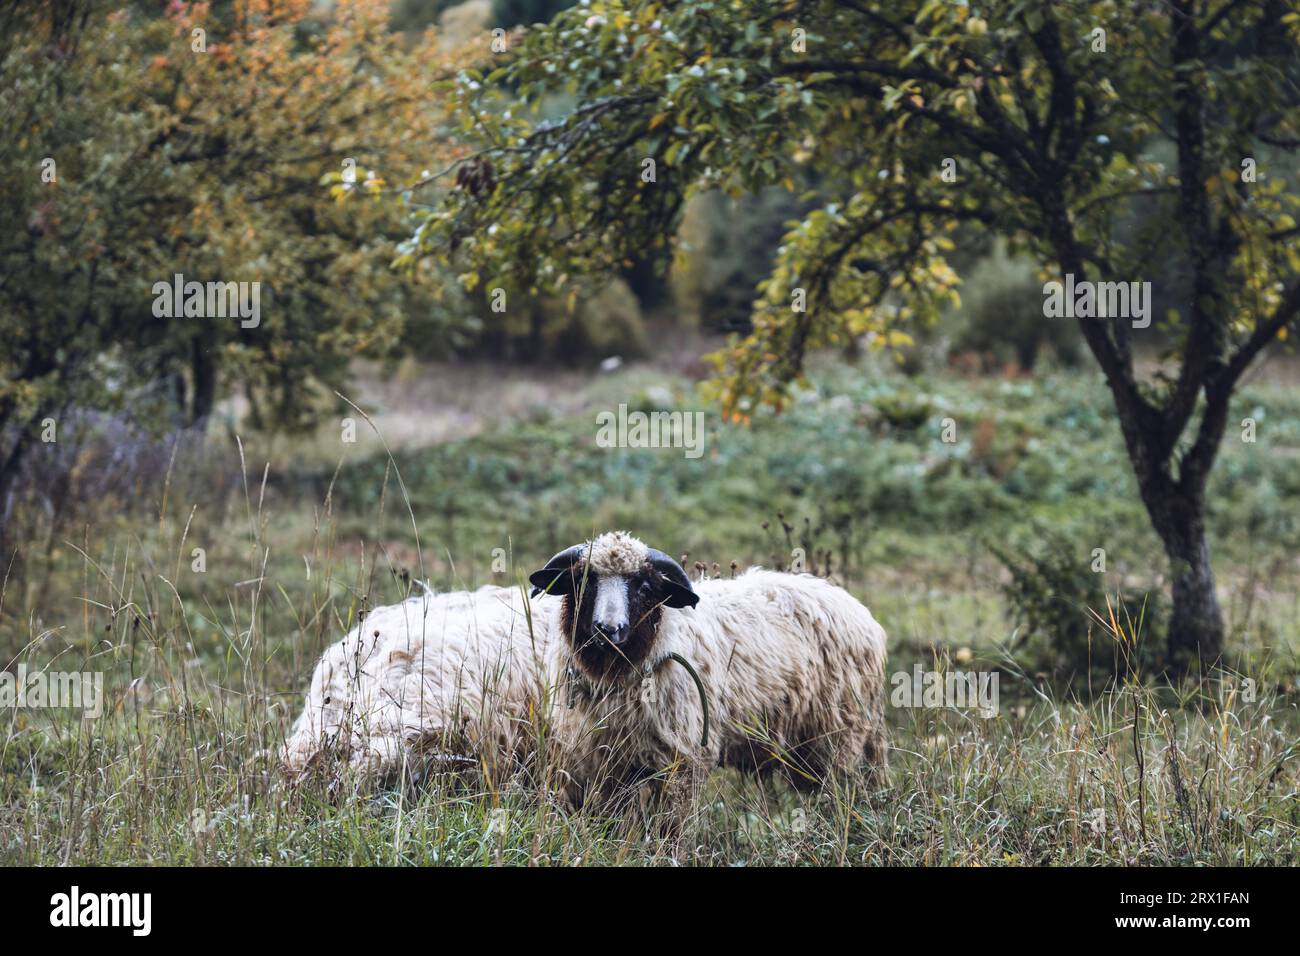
205	144
1051	120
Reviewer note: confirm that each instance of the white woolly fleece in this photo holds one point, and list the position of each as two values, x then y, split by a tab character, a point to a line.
459	672
789	653
793	655
617	552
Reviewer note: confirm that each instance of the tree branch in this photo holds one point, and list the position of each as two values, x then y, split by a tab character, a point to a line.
1265	332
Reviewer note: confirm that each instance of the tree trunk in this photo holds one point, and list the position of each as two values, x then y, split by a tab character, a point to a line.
1196	632
11	463
1176	508
204	369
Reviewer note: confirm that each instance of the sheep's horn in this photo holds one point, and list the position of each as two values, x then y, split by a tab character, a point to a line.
558	565
683	594
699	686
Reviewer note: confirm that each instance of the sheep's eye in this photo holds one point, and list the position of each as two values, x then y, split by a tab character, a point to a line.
645	587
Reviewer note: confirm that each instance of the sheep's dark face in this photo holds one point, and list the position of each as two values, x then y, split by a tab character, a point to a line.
612	621
614	600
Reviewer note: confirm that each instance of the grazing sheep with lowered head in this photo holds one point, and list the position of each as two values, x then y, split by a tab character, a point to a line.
457	676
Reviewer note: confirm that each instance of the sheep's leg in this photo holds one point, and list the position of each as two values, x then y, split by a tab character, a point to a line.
679	795
874	748
864	750
875	752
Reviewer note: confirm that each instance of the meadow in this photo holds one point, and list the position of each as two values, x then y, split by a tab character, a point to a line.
978	553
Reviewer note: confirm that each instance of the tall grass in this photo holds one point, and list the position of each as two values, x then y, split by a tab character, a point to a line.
204	672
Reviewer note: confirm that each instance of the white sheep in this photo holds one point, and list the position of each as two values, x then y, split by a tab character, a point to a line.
457	676
790	677
792	669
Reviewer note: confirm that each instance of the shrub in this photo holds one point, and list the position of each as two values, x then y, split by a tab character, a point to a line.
509	13
1002	320
549	330
727	248
609	323
1058	604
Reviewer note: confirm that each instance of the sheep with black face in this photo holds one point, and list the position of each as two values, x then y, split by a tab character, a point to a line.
791	668
616	590
635	674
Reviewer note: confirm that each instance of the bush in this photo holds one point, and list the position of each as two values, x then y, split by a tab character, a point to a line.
548	330
607	324
416	16
1053	593
1001	320
509	13
727	246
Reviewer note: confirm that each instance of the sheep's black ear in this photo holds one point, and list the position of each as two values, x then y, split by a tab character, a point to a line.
677	586
551	581
557	576
678	596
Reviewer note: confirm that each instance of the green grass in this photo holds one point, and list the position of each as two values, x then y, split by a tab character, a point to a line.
204	671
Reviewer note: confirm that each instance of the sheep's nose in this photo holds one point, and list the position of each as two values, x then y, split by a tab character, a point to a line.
616	634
